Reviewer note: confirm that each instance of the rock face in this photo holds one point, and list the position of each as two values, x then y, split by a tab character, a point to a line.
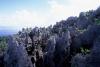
74	42
16	55
94	59
62	50
78	61
1	60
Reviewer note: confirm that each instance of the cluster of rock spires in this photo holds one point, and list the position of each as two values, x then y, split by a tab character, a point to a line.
74	42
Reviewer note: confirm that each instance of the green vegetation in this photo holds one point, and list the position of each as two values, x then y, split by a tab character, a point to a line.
84	51
97	21
81	30
3	44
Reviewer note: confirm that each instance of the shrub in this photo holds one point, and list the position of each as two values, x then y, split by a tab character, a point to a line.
3	44
97	21
84	50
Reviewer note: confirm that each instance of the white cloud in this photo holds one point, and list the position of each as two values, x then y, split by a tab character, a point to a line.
72	7
57	11
23	18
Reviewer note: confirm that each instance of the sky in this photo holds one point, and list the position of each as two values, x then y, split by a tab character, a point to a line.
16	14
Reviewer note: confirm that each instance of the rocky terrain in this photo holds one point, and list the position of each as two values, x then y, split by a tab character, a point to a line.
74	42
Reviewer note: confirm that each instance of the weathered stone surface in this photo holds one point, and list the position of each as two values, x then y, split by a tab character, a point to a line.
94	59
16	55
78	61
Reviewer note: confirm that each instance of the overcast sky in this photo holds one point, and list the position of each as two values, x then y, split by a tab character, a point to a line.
30	13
